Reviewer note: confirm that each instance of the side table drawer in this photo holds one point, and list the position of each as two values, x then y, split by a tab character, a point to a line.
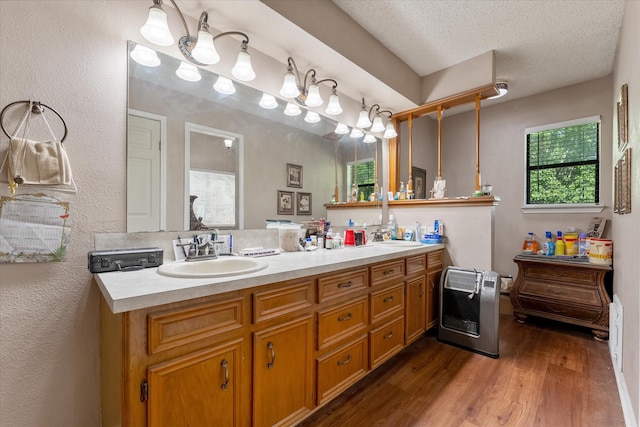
561	292
566	275
559	309
341	368
338	323
386	341
337	285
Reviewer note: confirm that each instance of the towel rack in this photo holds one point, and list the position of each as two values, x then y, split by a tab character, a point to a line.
37	108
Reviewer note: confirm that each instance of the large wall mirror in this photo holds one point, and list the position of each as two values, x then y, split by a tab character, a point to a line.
186	139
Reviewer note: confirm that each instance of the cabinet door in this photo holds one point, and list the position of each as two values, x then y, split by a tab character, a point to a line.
283	373
415	312
200	389
433	299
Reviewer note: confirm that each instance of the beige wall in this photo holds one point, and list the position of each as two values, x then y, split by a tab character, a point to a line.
626	228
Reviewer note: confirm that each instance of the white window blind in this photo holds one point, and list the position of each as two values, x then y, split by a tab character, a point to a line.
216	202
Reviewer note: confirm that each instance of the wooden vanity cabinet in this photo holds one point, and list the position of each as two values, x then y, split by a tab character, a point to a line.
434	273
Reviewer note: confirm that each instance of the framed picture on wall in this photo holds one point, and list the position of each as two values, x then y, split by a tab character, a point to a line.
294	175
304	203
285	202
623	120
419	177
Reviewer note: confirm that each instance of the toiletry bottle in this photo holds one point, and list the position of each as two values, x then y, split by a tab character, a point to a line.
417	233
403	194
560	244
393	227
582	244
549	245
530	244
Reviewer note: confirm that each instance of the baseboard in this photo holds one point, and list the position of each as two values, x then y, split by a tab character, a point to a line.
625	400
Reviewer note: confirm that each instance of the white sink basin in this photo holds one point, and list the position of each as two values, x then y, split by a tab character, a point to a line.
219	267
403	243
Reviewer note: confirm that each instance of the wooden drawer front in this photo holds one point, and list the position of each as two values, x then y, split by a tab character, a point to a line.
567	275
434	261
561	310
337	285
341	368
416	264
338	323
173	328
560	292
386	341
278	302
387	271
387	301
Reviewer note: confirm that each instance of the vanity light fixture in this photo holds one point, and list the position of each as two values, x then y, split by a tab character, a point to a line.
268	102
145	56
389	131
188	72
293	87
224	86
312	117
199	50
228	143
364	120
369	138
341	129
292	110
503	88
356	133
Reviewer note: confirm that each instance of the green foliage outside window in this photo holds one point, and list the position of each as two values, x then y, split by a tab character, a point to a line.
366	177
563	165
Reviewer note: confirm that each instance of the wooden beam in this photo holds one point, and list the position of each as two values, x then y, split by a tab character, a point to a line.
478	180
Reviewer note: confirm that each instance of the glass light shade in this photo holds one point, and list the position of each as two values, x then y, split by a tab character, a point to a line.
188	72
369	138
292	110
333	107
204	51
228	143
377	126
390	131
145	56
313	97
363	120
156	29
268	101
243	70
224	86
342	129
356	133
312	117
289	87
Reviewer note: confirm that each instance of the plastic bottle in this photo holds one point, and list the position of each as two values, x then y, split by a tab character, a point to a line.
582	244
549	246
530	244
403	194
560	244
393	227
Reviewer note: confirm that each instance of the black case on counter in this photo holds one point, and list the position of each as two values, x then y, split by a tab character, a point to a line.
124	259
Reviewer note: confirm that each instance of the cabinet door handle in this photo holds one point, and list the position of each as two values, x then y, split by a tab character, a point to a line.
343	318
387	335
388	272
273	355
345	285
388	299
344	362
225	366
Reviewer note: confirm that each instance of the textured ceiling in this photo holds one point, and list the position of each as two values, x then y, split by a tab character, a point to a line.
540	45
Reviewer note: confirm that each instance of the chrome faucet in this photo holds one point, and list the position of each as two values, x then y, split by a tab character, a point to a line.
202	247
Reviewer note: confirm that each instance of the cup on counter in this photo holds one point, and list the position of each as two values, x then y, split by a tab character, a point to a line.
349	238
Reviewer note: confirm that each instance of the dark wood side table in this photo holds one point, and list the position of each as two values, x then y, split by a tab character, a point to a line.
562	289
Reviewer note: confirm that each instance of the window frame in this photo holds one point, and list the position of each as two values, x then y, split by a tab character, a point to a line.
348	176
568	207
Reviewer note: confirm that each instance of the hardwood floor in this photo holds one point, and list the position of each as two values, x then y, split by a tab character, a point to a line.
548	374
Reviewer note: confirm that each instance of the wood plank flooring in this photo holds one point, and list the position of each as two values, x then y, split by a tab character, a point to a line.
548	374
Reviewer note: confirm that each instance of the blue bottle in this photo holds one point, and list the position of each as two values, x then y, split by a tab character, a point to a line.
549	245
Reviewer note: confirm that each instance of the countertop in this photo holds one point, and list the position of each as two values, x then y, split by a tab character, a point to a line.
133	290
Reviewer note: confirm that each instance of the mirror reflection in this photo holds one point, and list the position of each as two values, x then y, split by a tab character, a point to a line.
187	139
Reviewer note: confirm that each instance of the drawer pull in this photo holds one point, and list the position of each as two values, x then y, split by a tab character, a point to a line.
345	285
343	318
556	292
388	272
273	355
387	335
225	366
388	299
347	360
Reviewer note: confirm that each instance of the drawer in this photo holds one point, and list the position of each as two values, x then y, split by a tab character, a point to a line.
337	285
387	271
341	368
562	293
386	302
172	328
278	302
434	261
560	311
339	323
416	264
386	341
566	275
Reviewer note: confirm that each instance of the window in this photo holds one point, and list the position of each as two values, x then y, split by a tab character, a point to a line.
562	163
366	177
216	202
